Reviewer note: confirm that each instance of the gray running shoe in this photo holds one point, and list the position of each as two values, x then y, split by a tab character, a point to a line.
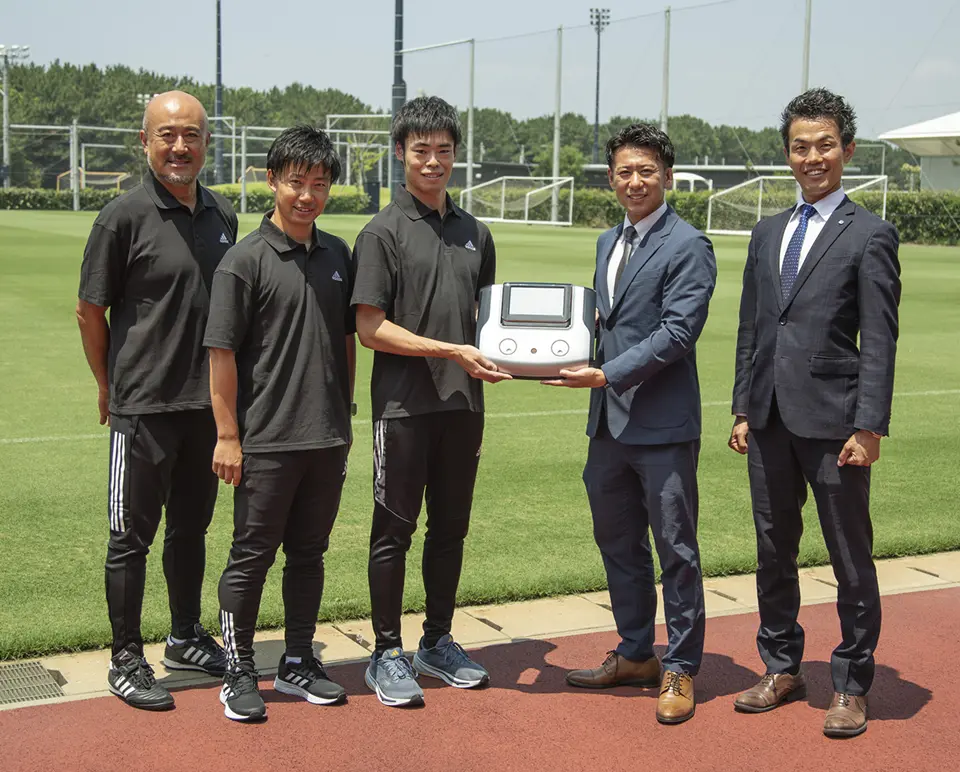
391	677
451	664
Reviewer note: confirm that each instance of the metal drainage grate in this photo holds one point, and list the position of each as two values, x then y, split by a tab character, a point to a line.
27	681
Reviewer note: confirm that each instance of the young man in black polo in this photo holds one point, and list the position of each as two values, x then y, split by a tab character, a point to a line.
420	265
150	259
282	363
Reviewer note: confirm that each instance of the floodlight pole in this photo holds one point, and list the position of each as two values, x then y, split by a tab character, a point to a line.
555	197
243	170
666	70
806	48
399	96
472	42
8	53
218	111
599	19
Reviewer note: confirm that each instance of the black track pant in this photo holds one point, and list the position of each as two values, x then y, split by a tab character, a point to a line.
157	461
437	453
290	498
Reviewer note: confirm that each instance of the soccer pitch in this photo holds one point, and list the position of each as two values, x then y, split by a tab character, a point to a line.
531	531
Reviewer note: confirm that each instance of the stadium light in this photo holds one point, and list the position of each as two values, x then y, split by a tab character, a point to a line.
8	53
599	20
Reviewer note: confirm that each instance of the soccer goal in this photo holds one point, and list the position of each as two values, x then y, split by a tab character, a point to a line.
102	180
736	210
528	200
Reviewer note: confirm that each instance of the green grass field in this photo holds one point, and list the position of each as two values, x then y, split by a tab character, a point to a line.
531	531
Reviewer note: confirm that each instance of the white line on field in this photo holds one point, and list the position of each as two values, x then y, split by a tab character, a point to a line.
366	421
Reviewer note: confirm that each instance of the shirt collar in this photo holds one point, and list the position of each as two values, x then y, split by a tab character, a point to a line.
415	209
643	226
825	207
164	199
281	242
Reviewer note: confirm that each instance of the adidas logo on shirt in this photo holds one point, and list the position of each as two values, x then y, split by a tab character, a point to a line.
224	239
469	245
336	276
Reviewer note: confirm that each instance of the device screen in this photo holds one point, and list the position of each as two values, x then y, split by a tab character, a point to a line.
536	304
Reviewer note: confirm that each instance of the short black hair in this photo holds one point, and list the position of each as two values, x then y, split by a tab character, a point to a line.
423	116
642	135
303	148
819	103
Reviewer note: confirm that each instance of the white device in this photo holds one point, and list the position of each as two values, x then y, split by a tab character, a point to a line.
535	330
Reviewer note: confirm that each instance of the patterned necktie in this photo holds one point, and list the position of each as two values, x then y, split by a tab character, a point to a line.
791	259
629	239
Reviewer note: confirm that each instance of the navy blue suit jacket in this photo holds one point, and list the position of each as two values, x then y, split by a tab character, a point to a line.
647	335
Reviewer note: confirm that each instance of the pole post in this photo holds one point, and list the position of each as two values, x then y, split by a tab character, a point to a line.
806	48
555	197
470	179
666	70
399	94
6	119
218	111
243	170
74	157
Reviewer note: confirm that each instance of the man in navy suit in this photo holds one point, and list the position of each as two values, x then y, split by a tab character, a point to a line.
814	383
654	278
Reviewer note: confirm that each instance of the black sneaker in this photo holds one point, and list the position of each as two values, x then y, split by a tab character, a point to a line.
201	653
240	695
309	680
132	680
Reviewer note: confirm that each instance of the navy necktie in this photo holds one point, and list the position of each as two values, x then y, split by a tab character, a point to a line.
629	239
791	259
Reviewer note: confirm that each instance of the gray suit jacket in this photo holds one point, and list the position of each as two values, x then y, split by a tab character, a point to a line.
647	336
806	349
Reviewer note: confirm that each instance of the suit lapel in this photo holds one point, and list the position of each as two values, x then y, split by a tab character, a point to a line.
839	220
645	250
605	247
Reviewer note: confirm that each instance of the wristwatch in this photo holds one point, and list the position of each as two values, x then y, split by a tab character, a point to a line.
353	408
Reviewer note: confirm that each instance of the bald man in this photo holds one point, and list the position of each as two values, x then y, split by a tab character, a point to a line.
150	259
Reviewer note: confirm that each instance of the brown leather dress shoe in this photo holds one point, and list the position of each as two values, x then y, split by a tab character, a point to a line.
774	689
617	671
846	716
677	701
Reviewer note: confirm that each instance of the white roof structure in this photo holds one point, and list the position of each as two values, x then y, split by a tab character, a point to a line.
936	137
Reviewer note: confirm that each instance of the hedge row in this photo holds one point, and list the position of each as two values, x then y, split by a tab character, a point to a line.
928	217
343	199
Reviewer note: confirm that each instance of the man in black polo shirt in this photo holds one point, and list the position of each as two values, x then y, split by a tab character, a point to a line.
150	259
420	265
282	359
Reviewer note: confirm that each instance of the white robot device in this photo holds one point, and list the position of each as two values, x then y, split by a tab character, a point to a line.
535	330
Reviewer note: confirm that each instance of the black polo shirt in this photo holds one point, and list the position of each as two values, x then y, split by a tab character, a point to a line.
286	313
425	272
151	261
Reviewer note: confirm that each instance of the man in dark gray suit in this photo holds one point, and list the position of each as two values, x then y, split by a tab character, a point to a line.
812	404
654	279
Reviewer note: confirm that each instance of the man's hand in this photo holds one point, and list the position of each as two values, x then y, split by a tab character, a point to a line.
862	449
740	435
228	460
584	378
103	405
477	365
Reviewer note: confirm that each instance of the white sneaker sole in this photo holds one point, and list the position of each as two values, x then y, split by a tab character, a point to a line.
287	688
391	702
460	683
236	716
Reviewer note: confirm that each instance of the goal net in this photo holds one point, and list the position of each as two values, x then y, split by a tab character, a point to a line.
98	180
736	210
529	200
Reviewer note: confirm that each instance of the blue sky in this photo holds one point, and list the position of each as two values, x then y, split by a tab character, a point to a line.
735	62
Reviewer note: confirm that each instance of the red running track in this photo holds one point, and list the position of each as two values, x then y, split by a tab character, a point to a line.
530	720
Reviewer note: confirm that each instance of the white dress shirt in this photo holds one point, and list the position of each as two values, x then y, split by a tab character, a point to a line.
824	208
642	228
